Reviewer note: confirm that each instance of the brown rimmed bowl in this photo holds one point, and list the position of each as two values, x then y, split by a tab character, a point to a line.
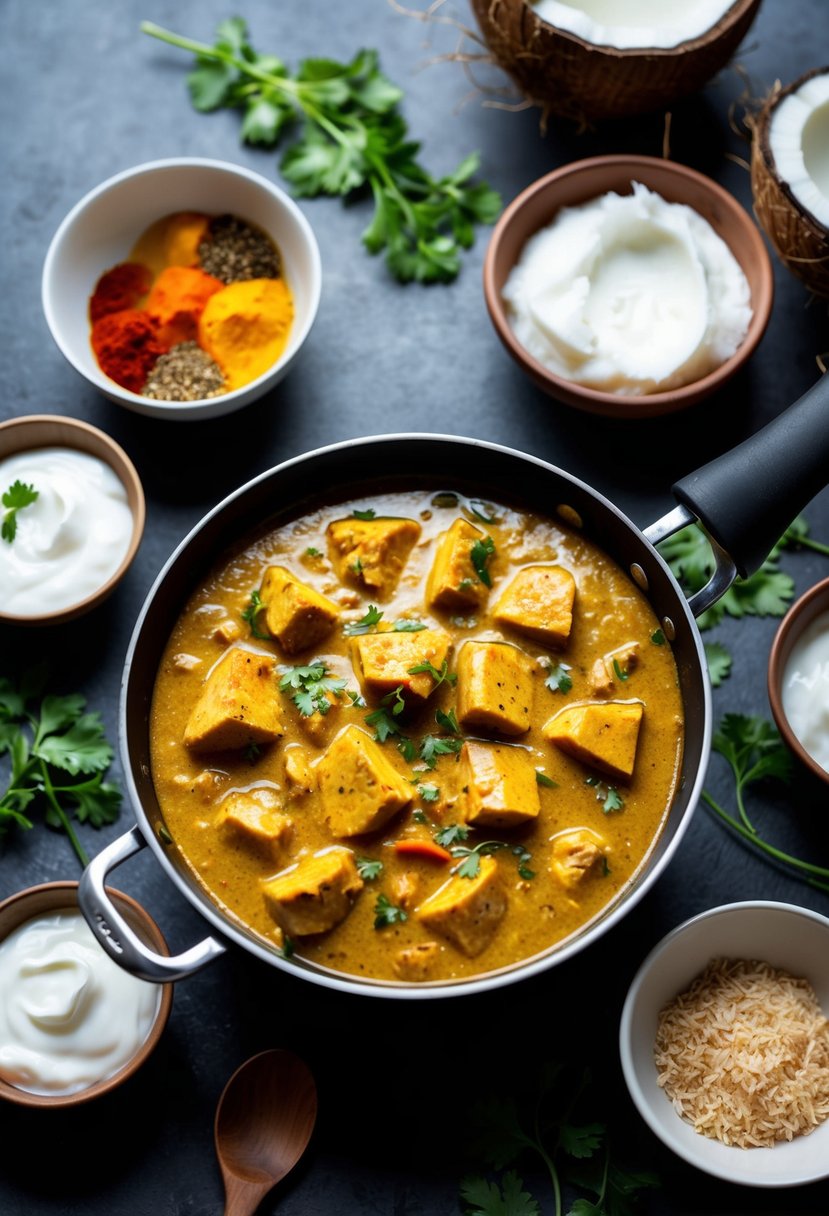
52	430
812	604
583	180
51	897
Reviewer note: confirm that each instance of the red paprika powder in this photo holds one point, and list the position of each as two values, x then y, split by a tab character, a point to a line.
127	345
122	287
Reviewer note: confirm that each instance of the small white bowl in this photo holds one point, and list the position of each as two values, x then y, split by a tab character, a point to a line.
784	936
102	228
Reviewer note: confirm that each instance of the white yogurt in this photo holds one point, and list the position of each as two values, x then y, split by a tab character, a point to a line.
633	23
805	689
71	540
628	294
69	1015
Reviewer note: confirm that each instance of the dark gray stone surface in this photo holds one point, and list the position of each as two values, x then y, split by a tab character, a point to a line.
84	96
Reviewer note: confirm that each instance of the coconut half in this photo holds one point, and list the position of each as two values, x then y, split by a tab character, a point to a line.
790	176
565	74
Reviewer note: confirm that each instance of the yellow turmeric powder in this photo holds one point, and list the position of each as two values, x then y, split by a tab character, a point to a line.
172	241
245	327
176	301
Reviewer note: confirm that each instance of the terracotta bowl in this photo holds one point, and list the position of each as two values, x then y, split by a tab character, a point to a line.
102	228
51	430
785	936
812	604
50	897
584	180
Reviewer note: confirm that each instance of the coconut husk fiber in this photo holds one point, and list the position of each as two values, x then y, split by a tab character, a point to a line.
570	78
799	241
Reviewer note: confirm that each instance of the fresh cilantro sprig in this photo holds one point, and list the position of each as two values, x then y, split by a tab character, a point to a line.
18	496
368	868
559	678
437	674
470	864
608	795
58	756
480	554
352	137
308	687
372	618
545	1127
754	750
386	913
366	623
766	593
250	615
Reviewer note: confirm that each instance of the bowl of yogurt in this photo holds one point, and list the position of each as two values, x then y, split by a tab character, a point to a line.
71	518
798	679
628	286
73	1024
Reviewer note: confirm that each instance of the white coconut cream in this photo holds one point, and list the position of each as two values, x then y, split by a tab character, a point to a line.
628	294
799	143
805	689
626	24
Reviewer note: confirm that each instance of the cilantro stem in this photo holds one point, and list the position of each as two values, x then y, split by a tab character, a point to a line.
778	854
741	808
48	790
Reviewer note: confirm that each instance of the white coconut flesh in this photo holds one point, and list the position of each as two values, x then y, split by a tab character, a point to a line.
799	144
629	24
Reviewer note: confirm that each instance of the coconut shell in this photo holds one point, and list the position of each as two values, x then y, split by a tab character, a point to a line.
571	78
800	242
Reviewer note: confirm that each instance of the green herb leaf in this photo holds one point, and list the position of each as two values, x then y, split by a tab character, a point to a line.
369	513
581	1141
15	499
395	700
559	679
438	676
365	624
619	671
658	638
368	868
312	551
433	746
451	834
490	1199
48	745
251	614
405	625
480	554
543	779
386	913
766	593
719	662
428	791
350	134
447	720
309	686
82	748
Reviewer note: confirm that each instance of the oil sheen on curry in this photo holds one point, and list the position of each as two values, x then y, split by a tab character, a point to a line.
416	737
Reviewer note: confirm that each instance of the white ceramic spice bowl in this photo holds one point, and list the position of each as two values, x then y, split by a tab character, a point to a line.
103	227
785	936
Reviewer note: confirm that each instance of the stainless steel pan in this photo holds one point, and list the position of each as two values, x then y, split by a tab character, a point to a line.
745	500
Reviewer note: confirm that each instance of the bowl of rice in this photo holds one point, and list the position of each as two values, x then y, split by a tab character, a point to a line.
724	1042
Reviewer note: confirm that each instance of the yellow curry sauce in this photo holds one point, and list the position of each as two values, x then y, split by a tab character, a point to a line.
534	771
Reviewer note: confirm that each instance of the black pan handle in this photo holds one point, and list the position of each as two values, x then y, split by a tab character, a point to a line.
747	497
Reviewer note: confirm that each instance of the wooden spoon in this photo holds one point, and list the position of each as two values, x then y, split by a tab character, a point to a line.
263	1124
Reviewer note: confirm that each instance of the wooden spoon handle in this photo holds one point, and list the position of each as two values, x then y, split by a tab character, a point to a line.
243	1198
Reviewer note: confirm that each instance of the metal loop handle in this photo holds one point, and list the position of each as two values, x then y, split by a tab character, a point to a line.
121	943
725	570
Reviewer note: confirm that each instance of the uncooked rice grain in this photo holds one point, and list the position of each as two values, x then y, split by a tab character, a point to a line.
743	1054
